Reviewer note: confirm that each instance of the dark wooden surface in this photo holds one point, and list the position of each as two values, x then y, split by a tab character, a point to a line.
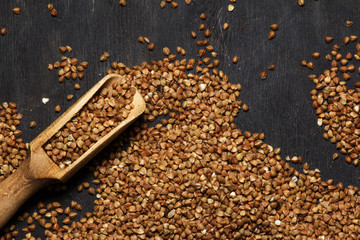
280	106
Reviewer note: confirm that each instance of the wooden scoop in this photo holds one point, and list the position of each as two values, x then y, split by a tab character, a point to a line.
38	170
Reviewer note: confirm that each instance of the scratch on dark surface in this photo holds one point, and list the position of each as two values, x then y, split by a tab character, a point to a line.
93	6
221	38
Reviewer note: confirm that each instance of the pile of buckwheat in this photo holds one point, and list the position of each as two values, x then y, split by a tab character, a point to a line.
194	175
12	147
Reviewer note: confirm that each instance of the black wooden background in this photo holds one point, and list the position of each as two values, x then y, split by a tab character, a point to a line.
280	106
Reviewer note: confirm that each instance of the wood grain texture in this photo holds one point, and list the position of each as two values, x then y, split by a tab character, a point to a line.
280	106
16	189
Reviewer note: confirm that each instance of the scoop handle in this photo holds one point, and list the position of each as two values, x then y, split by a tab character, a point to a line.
15	190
